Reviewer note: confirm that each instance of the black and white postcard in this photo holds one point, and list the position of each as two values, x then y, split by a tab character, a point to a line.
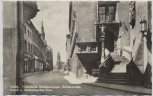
77	47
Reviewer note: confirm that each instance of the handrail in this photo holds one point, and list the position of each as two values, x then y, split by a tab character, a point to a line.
127	50
102	64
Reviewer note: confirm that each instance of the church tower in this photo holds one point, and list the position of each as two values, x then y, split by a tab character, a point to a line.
58	63
42	32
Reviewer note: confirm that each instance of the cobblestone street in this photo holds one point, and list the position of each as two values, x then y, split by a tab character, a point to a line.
56	79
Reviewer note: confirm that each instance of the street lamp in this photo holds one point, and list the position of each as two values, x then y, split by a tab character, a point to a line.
143	27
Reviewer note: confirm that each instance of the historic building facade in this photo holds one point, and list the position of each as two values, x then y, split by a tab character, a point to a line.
15	14
112	37
28	48
38	55
49	59
82	46
24	48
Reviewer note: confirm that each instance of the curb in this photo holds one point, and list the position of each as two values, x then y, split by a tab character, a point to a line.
121	88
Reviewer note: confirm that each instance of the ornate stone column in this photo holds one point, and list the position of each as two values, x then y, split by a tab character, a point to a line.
103	42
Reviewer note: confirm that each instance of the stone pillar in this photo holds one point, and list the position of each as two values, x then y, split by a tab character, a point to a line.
103	43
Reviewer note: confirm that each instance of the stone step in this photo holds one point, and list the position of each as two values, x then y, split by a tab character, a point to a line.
111	82
116	78
113	79
113	74
95	72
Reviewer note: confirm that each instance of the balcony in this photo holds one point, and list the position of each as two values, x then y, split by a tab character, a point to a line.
87	47
88	53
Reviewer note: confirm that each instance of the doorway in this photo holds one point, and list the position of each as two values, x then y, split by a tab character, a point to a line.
109	41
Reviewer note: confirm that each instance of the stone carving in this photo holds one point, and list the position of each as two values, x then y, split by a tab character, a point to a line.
132	14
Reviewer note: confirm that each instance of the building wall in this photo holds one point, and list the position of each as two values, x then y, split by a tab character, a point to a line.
38	48
9	45
124	31
68	46
38	52
85	18
141	12
82	29
130	41
28	48
49	58
141	53
134	39
13	42
74	63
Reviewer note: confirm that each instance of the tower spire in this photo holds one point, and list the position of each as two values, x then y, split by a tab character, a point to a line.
42	31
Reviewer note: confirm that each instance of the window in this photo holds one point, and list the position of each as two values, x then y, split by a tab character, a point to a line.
29	47
30	35
25	65
111	13
25	45
106	13
102	13
28	32
24	28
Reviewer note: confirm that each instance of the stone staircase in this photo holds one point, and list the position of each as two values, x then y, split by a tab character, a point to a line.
114	78
117	75
121	66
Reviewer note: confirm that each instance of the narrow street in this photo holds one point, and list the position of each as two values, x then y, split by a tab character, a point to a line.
103	47
55	79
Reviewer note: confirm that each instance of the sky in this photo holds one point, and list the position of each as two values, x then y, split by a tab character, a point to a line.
55	17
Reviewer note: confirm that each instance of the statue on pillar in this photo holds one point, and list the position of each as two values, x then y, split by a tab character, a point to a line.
105	52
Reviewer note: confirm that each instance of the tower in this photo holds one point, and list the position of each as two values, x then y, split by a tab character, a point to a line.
58	60
42	32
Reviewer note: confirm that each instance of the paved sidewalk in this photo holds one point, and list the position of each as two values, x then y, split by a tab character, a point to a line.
59	86
33	73
71	78
135	89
